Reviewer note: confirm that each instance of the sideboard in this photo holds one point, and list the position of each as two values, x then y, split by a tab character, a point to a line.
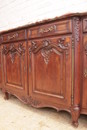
44	64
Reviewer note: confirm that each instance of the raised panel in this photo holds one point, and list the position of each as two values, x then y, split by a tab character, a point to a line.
14	71
45	75
49	61
15	65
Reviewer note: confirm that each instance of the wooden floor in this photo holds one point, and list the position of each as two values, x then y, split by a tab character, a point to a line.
14	115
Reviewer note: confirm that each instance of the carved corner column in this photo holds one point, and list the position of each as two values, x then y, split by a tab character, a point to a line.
75	109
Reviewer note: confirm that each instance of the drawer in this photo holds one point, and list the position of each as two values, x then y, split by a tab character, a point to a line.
85	25
14	36
54	28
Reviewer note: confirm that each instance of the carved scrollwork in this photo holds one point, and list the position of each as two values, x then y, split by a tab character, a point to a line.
12	50
24	99
29	100
63	46
33	102
47	47
76	28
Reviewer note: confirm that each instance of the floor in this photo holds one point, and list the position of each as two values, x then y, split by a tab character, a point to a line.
14	115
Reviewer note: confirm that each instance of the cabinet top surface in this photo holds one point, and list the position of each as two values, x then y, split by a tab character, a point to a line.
46	21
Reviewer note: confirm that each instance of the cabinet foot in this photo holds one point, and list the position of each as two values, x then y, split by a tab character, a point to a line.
75	115
75	124
6	96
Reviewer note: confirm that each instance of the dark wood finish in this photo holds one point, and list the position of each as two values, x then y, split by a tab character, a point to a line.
45	64
15	67
49	61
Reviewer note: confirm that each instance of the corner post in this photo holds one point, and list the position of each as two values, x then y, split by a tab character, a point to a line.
75	109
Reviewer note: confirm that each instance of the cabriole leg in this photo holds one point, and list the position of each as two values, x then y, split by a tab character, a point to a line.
6	96
75	115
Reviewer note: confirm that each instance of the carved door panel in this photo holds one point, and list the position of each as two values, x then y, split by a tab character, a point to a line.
15	67
84	87
49	62
0	68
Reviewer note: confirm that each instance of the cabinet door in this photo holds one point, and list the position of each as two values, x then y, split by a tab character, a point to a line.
0	68
15	67
84	76
49	63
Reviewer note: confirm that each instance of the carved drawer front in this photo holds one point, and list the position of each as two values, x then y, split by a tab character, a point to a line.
48	64
14	36
85	25
15	66
51	29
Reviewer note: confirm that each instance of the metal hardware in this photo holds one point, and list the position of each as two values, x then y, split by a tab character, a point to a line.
49	29
13	36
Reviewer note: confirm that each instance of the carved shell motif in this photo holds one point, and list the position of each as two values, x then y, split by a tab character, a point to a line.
47	47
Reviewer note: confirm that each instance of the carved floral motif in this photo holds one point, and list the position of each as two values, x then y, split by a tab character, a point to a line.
12	50
47	47
63	46
45	52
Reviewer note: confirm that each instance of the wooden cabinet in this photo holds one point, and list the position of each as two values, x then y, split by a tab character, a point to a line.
45	64
15	67
48	61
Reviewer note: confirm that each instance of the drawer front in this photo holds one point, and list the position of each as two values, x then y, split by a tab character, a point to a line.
61	27
14	36
85	25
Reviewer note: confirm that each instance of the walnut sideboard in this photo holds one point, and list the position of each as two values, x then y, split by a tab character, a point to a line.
45	64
